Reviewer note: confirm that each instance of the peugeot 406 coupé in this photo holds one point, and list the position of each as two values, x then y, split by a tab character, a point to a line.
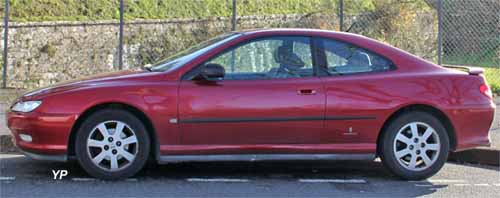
277	94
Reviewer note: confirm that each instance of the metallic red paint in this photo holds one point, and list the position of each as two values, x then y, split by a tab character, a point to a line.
162	96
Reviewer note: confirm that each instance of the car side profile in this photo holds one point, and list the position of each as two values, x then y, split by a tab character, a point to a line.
272	94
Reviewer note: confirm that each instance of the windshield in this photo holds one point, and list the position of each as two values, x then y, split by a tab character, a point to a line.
189	54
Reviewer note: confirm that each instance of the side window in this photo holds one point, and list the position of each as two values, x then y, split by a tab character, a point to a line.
269	58
343	58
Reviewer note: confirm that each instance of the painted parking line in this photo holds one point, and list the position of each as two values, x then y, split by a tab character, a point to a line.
462	184
7	178
340	181
216	180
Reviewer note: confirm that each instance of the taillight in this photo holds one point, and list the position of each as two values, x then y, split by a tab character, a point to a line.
485	89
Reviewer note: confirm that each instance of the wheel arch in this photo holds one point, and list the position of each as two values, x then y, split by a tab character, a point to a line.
450	130
115	105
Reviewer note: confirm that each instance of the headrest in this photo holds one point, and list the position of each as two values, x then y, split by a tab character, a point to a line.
359	59
285	57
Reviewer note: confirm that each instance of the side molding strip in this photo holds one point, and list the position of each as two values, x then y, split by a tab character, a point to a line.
165	159
285	119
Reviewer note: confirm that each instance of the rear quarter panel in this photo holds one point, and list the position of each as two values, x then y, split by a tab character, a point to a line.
381	95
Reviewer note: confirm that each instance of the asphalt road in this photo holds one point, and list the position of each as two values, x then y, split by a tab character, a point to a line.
22	177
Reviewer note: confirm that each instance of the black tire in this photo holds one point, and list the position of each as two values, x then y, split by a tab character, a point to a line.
388	155
143	144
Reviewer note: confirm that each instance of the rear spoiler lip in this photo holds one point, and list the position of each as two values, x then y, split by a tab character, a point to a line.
468	69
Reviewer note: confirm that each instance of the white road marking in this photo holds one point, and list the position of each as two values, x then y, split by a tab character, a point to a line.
497	184
83	179
481	184
11	155
462	184
342	181
441	181
94	179
216	180
424	185
7	178
446	181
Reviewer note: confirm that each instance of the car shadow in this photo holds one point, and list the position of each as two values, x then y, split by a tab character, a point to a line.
264	169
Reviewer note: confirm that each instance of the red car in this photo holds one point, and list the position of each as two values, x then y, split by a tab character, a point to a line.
278	94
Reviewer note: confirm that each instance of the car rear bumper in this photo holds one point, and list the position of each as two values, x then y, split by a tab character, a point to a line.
472	125
49	132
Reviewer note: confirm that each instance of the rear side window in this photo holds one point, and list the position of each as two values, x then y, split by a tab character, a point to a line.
344	58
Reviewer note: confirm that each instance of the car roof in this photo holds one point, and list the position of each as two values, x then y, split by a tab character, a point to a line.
295	30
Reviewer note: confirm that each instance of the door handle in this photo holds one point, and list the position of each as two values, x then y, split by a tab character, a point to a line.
306	92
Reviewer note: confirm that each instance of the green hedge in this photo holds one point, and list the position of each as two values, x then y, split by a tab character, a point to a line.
78	10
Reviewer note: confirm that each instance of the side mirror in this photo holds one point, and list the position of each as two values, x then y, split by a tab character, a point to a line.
211	72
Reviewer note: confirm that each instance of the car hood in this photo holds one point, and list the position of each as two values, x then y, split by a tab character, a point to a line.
78	83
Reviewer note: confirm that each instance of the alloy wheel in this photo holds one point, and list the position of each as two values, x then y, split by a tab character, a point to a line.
112	145
416	146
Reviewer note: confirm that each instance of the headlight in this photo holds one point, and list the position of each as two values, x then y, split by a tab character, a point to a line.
26	106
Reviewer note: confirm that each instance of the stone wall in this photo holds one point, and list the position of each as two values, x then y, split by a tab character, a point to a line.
44	53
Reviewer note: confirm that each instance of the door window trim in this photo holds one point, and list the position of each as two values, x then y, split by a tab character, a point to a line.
189	75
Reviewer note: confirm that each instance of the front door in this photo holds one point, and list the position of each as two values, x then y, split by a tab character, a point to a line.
269	95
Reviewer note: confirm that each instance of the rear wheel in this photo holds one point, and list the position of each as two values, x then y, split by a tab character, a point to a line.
415	146
112	144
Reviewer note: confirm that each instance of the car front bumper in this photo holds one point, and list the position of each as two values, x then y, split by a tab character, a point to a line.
45	157
49	133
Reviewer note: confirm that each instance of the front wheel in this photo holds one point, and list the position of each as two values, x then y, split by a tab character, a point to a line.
112	144
415	146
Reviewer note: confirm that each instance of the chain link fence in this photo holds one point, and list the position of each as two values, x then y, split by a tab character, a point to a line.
471	36
60	40
471	32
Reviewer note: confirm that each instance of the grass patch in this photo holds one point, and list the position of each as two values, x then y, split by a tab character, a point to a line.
486	58
493	78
